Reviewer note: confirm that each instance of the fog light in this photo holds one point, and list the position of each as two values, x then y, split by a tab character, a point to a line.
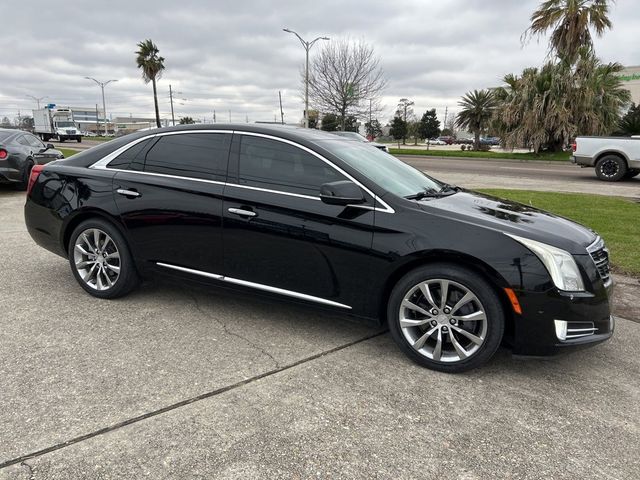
561	329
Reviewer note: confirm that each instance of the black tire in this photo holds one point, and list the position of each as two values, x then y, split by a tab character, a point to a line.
632	173
79	139
611	168
24	183
474	283
127	279
61	139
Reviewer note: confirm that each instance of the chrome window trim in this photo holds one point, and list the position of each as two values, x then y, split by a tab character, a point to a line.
103	162
258	286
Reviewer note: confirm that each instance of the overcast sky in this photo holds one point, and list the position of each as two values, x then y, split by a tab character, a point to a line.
234	56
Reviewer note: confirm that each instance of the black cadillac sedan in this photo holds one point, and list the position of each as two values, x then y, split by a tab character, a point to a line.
326	221
19	152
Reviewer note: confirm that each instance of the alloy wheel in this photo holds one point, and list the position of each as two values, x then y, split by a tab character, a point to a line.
609	168
97	259
443	320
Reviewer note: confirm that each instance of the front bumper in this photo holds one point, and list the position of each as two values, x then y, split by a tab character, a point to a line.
535	332
10	175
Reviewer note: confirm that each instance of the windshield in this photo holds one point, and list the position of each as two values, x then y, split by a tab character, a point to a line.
65	124
385	170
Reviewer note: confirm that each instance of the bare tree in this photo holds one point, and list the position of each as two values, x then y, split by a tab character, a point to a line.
346	79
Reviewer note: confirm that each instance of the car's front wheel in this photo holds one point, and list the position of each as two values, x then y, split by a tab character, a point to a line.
446	318
101	261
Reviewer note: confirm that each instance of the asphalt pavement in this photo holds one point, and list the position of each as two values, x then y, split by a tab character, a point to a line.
527	175
179	381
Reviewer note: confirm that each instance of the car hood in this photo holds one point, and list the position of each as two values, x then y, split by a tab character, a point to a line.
514	218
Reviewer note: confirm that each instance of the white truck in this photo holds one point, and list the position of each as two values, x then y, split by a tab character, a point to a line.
56	122
614	158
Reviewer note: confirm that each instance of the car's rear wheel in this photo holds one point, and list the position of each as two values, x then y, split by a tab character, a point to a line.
101	261
611	168
446	318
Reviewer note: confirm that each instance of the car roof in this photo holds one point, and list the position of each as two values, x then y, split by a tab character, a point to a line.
304	136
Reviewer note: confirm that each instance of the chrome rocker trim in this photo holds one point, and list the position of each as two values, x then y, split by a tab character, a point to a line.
258	286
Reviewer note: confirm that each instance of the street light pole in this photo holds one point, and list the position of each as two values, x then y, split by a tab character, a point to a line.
104	105
37	100
307	46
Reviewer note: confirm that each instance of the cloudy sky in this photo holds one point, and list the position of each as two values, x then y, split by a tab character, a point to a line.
234	57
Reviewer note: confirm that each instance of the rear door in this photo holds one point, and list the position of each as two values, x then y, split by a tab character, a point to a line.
279	236
168	190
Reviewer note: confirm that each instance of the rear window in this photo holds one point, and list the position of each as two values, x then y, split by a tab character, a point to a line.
5	135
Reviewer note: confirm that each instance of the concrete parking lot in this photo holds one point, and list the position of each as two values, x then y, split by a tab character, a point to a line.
179	381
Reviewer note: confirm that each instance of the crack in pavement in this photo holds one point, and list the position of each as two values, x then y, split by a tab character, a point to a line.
226	329
22	459
29	470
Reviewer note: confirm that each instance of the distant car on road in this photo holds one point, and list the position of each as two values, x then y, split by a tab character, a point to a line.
448	140
360	138
464	141
19	152
614	158
490	141
436	141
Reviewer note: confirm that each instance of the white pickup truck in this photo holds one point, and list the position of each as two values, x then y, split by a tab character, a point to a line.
614	158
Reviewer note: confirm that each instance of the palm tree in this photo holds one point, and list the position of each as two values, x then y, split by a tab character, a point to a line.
152	66
570	22
476	113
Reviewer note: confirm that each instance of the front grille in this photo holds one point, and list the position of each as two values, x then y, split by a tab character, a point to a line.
600	256
580	329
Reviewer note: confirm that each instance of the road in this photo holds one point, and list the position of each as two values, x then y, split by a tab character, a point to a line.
179	381
531	175
84	145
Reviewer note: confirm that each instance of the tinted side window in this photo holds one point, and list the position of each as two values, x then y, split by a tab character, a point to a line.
279	166
125	161
34	142
196	155
22	140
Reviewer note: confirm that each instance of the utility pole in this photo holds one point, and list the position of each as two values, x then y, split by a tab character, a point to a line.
104	106
281	111
37	100
97	120
446	111
247	118
307	46
173	118
214	115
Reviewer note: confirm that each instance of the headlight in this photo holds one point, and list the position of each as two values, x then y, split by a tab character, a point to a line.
560	264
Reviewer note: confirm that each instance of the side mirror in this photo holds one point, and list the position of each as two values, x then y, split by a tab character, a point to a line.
50	146
341	193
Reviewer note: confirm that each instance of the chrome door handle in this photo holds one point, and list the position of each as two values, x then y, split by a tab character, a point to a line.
242	213
128	193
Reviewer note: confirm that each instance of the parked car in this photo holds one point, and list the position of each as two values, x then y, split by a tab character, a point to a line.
19	152
436	141
360	138
302	214
464	141
448	140
492	141
614	158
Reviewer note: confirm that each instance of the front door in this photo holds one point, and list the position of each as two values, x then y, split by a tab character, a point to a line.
279	235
